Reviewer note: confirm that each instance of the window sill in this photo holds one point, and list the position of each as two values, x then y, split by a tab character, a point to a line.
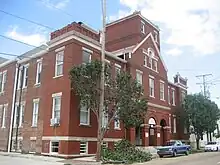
58	125
85	125
58	76
117	129
151	69
3	127
37	85
152	97
162	100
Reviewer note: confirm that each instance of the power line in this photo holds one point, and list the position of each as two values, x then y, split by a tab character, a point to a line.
204	83
22	18
53	6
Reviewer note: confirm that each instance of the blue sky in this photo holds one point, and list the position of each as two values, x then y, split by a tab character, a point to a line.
190	30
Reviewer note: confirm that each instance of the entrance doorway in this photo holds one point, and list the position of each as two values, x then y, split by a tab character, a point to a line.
162	132
152	134
138	136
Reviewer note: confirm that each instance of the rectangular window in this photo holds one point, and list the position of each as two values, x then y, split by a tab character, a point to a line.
116	122
145	60
19	115
86	56
35	112
142	27
25	77
59	64
183	95
3	76
170	123
117	69
173	97
54	147
162	91
151	85
84	115
56	105
83	147
155	65
105	118
139	76
3	116
38	74
104	145
174	125
168	95
151	62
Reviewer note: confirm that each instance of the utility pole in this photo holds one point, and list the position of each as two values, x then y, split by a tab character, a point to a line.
204	83
102	84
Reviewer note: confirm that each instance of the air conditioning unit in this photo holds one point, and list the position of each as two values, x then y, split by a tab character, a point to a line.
54	121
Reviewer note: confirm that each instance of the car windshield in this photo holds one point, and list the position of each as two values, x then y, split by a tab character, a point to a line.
170	143
211	143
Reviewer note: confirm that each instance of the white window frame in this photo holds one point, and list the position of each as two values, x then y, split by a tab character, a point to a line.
156	66
143	27
51	142
145	60
4	110
59	63
84	109
173	97
168	95
139	73
162	90
35	112
3	78
151	62
25	76
39	71
86	147
22	108
88	51
151	78
54	97
170	123
174	124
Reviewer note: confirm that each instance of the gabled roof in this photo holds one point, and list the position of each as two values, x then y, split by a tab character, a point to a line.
155	45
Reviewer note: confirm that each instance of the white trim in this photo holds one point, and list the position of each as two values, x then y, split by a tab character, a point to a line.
65	155
162	81
117	65
19	138
83	39
12	109
60	49
40	53
72	138
87	147
151	77
87	50
155	45
57	94
107	61
123	50
146	53
33	138
139	71
40	59
7	62
54	153
36	100
159	106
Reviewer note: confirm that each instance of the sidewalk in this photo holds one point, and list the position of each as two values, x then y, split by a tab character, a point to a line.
32	156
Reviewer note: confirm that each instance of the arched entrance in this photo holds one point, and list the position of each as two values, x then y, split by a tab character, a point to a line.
152	132
162	132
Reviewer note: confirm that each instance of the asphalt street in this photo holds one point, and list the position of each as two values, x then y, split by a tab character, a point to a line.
211	158
208	158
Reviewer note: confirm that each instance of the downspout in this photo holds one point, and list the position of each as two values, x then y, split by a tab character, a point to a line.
13	105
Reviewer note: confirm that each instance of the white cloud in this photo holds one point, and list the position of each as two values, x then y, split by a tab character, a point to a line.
59	4
195	24
174	52
35	39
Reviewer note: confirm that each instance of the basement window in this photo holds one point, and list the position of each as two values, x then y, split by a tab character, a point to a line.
54	147
83	148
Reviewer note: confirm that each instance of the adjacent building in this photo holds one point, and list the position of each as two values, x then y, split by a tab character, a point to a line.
36	88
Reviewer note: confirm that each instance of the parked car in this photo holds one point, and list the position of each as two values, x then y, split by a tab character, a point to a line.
173	148
212	146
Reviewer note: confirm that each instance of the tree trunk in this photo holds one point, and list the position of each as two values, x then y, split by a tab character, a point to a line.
207	134
210	135
99	143
197	144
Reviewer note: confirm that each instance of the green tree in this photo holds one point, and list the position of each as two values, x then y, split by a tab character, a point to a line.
123	98
200	113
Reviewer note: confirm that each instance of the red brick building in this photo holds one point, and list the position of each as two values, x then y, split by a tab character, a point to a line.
50	121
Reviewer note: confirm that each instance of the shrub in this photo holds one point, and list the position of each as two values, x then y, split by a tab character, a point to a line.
124	151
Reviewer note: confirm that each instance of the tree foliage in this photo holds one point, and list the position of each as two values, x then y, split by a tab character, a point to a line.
123	95
200	113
